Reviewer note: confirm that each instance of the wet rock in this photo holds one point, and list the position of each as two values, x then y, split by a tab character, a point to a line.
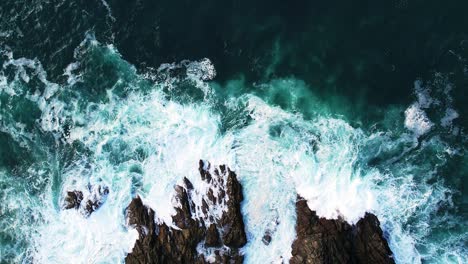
370	245
188	184
89	203
183	217
232	221
321	240
142	219
160	243
73	199
97	197
234	258
266	239
212	237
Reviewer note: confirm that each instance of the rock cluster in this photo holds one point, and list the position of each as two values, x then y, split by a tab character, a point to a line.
321	240
197	227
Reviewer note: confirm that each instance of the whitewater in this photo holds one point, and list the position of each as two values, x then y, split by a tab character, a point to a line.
141	133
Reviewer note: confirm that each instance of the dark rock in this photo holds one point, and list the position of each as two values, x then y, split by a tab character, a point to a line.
183	218
188	184
204	173
233	258
142	219
321	240
371	247
73	199
232	221
266	239
95	200
205	206
212	237
318	240
210	196
159	243
87	205
221	195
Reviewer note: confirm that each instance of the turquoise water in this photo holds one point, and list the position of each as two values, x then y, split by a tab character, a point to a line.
88	116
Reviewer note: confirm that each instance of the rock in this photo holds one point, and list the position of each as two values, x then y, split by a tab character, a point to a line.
232	221
234	258
142	219
160	243
188	184
266	239
97	197
231	225
321	240
212	237
200	228
183	218
73	199
86	204
371	247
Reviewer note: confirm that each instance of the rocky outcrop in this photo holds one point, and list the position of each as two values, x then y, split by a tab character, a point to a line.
198	225
96	196
208	227
322	240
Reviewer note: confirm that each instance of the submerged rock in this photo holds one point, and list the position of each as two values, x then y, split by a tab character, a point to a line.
221	237
266	239
321	240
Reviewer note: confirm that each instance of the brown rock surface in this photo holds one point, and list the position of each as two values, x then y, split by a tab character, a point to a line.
73	199
160	243
86	205
321	240
199	226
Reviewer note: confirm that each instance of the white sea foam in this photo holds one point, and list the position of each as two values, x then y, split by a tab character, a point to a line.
416	120
450	115
145	143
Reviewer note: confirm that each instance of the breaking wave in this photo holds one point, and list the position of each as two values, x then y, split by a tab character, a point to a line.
141	133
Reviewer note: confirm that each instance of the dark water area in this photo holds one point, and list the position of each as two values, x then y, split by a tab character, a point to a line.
362	61
365	50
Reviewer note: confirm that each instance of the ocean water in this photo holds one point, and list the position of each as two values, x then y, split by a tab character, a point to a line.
297	100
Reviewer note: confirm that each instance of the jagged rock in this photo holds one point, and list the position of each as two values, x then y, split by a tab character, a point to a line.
188	184
142	219
87	205
73	199
234	234
96	199
159	243
197	226
183	218
212	237
322	240
371	247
